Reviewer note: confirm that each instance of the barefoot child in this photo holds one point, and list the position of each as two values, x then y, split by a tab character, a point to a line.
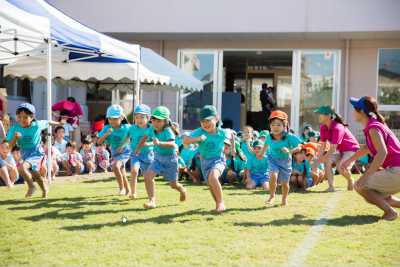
114	132
210	138
27	134
146	155
165	159
87	154
9	161
301	171
102	158
280	164
229	174
257	168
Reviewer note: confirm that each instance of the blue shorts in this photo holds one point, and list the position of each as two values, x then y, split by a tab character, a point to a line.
282	166
309	182
167	164
201	176
225	179
33	156
66	138
259	178
207	165
123	156
2	164
142	161
82	169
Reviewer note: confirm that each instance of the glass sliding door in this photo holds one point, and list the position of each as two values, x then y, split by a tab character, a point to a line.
317	83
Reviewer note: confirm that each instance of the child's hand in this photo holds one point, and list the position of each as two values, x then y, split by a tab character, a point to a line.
155	141
144	144
233	151
136	152
247	180
17	135
61	123
119	149
109	131
202	138
285	150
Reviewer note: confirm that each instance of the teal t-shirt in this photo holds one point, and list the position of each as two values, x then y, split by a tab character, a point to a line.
178	141
229	164
364	160
300	167
214	144
187	154
303	139
30	137
256	165
245	149
198	164
290	142
116	137
164	136
136	134
240	164
180	161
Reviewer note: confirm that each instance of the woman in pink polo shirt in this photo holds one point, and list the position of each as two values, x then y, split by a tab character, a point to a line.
382	180
343	145
75	112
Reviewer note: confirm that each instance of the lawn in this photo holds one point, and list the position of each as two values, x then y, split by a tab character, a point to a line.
80	224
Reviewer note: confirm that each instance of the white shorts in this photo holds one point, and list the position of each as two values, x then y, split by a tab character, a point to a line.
342	157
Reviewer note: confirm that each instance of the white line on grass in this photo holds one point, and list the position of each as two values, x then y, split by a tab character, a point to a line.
299	255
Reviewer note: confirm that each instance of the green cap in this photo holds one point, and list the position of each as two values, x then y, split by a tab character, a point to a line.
312	133
208	112
305	126
324	110
264	133
259	143
161	113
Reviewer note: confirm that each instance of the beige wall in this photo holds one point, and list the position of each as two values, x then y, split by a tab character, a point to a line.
362	64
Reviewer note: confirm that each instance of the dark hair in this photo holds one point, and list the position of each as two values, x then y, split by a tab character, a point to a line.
102	144
371	104
170	125
264	85
71	144
338	118
85	140
100	118
303	161
124	121
286	128
27	112
4	141
193	166
15	148
272	88
59	128
44	140
71	99
304	130
63	113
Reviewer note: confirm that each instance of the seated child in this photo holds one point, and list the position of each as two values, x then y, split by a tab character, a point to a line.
195	169
240	163
310	156
8	159
87	154
64	115
16	152
187	153
60	143
301	175
312	136
72	161
101	159
361	165
94	141
257	168
55	153
229	174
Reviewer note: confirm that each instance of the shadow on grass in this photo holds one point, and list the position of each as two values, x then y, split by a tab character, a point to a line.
299	219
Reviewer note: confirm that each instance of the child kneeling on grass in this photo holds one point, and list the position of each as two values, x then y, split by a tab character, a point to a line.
257	168
310	156
72	161
229	174
300	171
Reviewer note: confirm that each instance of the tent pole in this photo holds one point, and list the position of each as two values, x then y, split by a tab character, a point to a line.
136	97
49	161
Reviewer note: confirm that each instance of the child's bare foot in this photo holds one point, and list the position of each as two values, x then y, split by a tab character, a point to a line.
285	204
350	185
330	189
90	173
31	191
10	185
150	205
270	201
220	207
122	192
128	192
74	174
105	171
133	196
183	196
53	178
25	182
44	193
389	216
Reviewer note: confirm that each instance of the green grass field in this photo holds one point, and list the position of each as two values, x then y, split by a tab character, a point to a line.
80	224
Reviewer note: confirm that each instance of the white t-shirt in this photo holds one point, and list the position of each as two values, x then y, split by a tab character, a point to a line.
10	160
77	155
91	151
271	95
105	154
68	128
61	147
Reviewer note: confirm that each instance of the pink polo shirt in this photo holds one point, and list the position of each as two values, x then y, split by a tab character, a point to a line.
72	113
392	144
339	135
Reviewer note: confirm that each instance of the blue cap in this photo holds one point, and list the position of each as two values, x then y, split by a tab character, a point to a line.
185	133
256	133
142	109
115	111
237	139
359	103
239	132
28	106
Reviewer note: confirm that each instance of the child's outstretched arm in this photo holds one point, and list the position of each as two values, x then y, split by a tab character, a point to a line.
142	141
264	149
295	149
3	132
233	150
56	123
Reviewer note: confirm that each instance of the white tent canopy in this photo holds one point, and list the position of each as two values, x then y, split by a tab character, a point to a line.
155	73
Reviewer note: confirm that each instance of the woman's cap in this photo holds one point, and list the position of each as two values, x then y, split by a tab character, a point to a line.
324	110
264	133
277	114
359	103
28	106
311	151
142	109
185	133
161	113
115	111
311	145
69	105
256	133
311	133
208	112
98	125
258	143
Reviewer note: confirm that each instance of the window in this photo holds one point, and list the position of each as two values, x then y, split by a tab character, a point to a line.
16	88
388	87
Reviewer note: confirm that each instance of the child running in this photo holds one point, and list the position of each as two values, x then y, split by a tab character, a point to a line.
27	134
114	132
210	138
165	160
257	168
280	164
146	156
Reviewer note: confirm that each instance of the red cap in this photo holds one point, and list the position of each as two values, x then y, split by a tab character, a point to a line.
279	115
98	125
68	105
311	151
311	145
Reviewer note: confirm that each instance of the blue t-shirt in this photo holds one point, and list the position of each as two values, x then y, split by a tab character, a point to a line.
214	144
255	165
245	149
300	167
290	142
164	136
136	134
116	137
67	128
30	136
229	164
187	154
